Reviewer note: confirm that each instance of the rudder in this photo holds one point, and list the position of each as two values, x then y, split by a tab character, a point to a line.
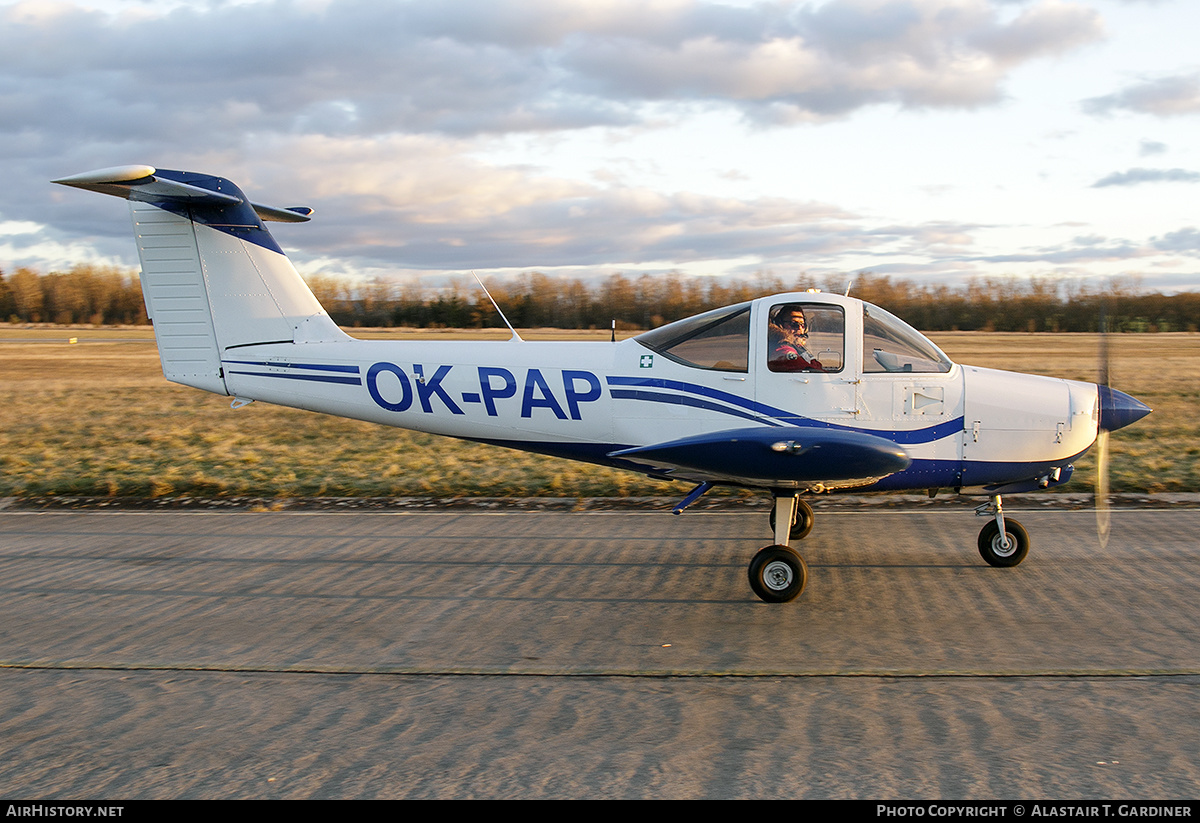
176	298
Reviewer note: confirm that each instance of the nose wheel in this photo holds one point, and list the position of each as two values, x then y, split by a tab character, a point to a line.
1010	550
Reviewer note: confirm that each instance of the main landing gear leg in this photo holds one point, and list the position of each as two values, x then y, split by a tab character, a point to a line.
1002	540
777	573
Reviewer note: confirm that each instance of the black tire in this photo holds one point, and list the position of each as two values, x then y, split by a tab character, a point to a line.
778	574
802	525
993	552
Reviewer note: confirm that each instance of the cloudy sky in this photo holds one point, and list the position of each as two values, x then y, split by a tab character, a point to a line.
931	139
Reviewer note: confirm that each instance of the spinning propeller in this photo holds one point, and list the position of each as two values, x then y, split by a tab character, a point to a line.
1117	410
1103	511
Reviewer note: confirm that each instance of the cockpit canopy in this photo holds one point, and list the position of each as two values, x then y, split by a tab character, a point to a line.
719	340
891	345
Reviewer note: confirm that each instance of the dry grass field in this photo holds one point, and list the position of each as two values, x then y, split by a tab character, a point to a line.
96	418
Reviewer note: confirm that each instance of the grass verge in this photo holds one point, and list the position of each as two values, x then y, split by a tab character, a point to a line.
96	418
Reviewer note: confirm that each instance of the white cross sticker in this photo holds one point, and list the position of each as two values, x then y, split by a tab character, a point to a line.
647	361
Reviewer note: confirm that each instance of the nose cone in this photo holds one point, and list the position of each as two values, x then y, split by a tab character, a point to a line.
1118	410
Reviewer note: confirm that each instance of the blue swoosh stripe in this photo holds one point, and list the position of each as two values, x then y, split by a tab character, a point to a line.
290	365
679	385
684	400
926	435
318	378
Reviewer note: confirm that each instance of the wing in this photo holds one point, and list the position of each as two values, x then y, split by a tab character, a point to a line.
780	456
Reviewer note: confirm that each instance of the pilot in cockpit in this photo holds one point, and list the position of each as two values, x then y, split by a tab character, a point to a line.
787	335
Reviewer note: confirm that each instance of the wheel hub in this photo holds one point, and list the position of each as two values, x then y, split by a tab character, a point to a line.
777	575
1000	548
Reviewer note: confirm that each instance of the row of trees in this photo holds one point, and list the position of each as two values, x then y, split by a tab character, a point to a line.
107	296
537	300
98	295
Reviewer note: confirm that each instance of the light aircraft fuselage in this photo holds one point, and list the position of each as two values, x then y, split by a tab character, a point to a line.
804	392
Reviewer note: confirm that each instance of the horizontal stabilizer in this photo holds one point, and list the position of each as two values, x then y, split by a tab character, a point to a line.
796	454
292	214
146	185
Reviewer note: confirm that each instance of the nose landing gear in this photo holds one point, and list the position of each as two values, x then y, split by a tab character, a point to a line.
1003	542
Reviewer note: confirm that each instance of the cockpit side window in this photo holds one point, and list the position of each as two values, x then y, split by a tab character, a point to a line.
806	337
718	340
891	345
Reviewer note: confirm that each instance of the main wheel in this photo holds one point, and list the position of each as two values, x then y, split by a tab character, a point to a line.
778	574
802	524
991	547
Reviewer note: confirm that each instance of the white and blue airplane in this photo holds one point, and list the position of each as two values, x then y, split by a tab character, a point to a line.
801	393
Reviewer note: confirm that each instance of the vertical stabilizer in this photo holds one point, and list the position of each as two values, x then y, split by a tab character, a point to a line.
212	276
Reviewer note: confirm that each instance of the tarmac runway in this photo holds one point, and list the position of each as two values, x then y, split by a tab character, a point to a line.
611	655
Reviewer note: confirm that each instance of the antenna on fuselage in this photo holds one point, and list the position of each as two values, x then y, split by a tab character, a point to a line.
496	305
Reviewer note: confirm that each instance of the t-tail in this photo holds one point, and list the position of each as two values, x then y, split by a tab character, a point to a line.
213	277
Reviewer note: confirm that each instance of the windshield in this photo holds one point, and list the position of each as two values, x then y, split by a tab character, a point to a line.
891	345
718	339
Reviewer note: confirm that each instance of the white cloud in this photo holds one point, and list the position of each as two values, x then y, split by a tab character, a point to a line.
1136	176
443	208
362	68
1164	97
387	118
